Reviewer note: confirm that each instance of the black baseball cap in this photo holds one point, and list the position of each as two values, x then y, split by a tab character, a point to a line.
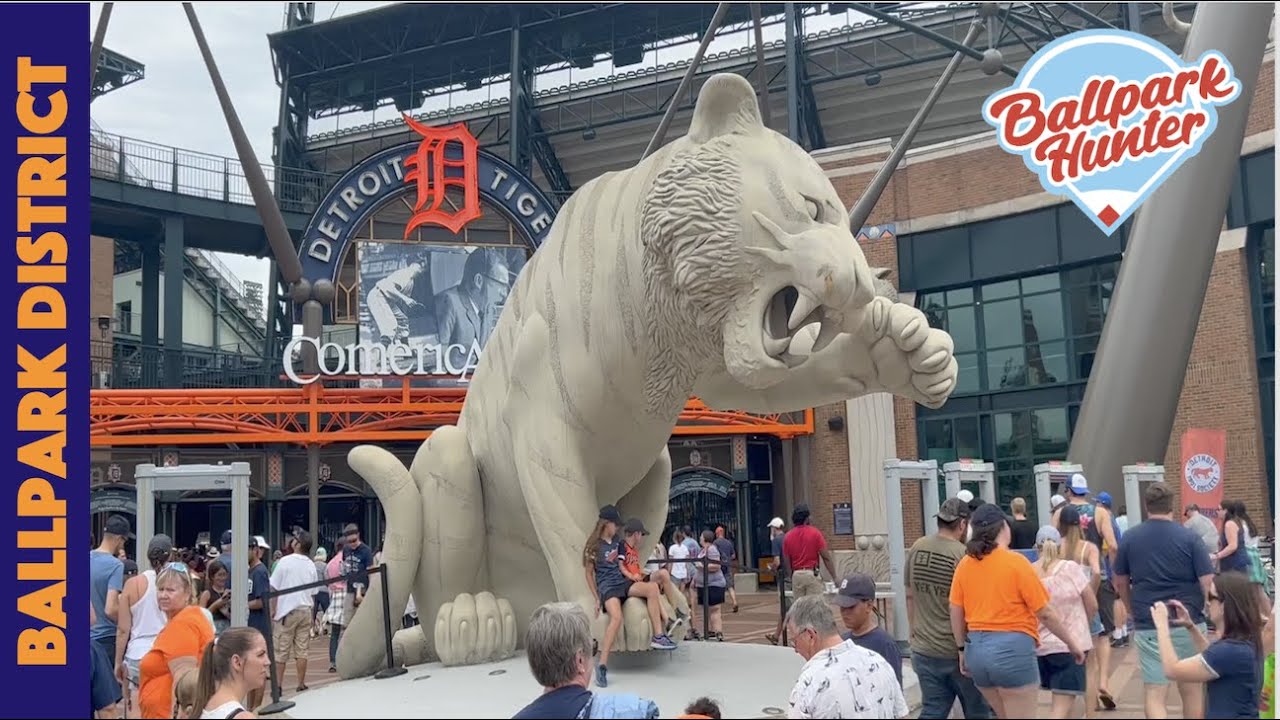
118	525
610	513
854	589
226	537
635	525
986	516
160	546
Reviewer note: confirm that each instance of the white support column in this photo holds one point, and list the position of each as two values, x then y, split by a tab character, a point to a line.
895	473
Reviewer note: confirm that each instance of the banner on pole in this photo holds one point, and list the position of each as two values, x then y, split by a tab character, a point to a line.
1204	455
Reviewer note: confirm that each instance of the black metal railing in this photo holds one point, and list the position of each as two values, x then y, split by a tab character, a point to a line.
391	670
202	175
122	365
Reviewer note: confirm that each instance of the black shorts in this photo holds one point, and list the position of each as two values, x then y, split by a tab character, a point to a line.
711	596
1107	605
621	592
1060	675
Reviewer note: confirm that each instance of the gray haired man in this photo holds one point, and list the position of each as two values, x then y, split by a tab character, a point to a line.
840	679
562	659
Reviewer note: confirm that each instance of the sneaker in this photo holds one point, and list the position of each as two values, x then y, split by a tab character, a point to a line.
662	642
602	676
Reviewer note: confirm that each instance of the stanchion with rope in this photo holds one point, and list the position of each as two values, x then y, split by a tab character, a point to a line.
391	670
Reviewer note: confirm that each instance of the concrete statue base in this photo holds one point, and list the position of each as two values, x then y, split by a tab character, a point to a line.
762	679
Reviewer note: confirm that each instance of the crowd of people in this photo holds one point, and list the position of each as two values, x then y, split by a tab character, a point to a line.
162	641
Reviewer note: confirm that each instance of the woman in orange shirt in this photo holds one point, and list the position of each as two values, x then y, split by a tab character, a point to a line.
177	647
997	606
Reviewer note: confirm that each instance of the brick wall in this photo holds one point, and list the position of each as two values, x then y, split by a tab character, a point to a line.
1219	392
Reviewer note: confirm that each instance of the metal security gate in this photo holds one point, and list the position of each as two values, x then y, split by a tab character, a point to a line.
701	499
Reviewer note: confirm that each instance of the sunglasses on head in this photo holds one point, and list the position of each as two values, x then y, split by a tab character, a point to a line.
180	567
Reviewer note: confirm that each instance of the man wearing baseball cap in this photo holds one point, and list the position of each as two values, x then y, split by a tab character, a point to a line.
931	563
856	598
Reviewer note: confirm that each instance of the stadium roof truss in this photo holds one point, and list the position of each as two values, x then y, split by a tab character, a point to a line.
856	83
114	72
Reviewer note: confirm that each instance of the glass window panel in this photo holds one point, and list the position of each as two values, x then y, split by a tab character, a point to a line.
1006	368
968	441
997	291
1005	442
960	296
968	379
1042	317
1085	350
1041	283
1269	262
1002	322
962	326
937	434
934	307
1051	436
1088	309
1047	363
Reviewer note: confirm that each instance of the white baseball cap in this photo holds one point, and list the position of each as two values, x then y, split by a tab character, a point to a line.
965	496
1078	485
1056	500
776	523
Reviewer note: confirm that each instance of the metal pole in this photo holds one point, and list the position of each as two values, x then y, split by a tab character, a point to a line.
762	76
313	488
1132	395
862	209
99	37
268	210
674	103
516	133
391	670
793	77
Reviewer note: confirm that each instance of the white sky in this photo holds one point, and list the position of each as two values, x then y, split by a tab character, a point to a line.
175	104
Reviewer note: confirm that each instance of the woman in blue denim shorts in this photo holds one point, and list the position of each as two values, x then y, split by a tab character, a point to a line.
997	606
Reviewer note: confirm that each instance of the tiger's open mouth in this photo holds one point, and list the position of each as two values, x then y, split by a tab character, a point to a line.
789	311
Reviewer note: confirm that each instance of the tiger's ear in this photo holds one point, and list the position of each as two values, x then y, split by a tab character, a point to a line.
726	104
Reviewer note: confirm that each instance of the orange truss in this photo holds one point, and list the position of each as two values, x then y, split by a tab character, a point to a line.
315	414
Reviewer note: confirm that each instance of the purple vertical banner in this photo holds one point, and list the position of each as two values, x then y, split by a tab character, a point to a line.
46	612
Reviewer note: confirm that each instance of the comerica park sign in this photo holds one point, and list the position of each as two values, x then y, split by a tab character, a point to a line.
420	172
365	359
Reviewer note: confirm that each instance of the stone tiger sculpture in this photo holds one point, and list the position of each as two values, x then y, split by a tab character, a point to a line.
690	274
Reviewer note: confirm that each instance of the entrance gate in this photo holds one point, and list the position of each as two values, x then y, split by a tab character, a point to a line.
701	499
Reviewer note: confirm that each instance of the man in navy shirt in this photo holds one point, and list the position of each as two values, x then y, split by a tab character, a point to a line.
1159	561
856	598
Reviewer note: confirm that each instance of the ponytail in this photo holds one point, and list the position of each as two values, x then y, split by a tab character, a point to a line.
215	665
205	684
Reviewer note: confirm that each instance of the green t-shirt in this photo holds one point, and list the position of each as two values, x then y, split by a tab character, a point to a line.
931	563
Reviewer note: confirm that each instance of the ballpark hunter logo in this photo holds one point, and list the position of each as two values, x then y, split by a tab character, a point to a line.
1104	117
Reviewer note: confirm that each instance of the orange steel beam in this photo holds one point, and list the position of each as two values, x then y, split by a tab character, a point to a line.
321	415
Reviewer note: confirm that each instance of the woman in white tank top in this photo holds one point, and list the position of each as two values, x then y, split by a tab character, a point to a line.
137	629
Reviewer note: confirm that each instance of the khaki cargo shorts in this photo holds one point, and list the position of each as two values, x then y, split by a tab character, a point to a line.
806	582
292	635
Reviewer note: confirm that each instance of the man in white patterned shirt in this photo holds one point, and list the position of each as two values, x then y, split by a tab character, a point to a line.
839	679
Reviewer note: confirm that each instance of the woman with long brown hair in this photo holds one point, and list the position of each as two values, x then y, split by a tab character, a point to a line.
233	664
997	606
1231	667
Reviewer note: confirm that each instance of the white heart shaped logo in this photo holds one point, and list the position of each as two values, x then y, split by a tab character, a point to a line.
1104	117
